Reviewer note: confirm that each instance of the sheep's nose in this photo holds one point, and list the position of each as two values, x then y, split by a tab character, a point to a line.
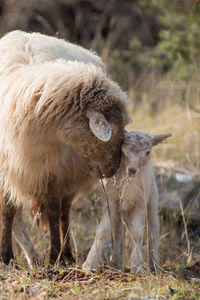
132	172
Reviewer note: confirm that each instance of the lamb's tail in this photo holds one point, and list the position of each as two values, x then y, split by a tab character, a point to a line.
39	214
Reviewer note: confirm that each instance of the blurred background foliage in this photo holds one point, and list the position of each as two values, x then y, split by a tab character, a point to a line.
134	37
150	47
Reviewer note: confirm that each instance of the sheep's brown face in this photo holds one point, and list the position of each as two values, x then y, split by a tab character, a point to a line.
97	137
103	157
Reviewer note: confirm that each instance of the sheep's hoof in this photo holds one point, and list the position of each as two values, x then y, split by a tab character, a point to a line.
7	257
68	258
62	261
155	268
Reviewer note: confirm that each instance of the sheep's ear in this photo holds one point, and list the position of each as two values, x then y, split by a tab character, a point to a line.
99	125
156	139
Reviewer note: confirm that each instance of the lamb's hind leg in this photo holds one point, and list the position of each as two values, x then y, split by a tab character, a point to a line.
101	249
8	212
65	229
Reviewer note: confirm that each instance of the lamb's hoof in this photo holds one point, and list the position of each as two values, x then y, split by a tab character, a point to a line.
34	263
88	268
138	270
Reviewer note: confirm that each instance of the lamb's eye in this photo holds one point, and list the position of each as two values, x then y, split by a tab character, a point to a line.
147	153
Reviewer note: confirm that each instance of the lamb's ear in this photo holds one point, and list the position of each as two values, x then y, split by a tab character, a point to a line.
156	139
99	125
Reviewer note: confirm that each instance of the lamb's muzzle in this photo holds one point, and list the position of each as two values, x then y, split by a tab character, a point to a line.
132	172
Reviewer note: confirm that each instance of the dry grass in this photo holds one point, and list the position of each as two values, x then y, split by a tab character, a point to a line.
106	284
175	280
182	150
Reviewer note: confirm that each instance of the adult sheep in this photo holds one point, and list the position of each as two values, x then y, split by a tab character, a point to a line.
62	126
43	48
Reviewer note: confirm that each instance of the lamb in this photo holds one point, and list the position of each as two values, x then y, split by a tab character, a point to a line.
132	195
62	125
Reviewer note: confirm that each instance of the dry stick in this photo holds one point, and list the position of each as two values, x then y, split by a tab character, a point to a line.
108	208
75	245
147	227
64	240
186	232
197	150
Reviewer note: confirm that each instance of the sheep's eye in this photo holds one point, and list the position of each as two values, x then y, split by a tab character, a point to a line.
147	153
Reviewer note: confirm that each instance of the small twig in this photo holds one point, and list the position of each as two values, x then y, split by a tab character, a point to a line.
108	208
147	227
75	245
64	240
186	233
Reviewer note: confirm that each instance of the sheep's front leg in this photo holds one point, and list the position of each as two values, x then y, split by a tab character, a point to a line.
101	249
153	230
53	214
65	229
135	224
8	213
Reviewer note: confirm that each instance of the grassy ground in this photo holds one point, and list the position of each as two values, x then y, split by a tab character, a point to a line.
176	280
72	283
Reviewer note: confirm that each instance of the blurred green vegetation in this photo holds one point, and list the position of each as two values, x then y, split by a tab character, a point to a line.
168	63
146	44
179	43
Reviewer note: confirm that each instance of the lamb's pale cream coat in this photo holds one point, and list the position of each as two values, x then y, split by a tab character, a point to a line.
132	195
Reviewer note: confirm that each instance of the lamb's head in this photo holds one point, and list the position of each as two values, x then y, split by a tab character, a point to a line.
136	150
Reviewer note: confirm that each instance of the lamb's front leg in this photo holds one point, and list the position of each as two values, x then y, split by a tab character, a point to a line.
117	232
135	224
8	213
101	249
53	214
